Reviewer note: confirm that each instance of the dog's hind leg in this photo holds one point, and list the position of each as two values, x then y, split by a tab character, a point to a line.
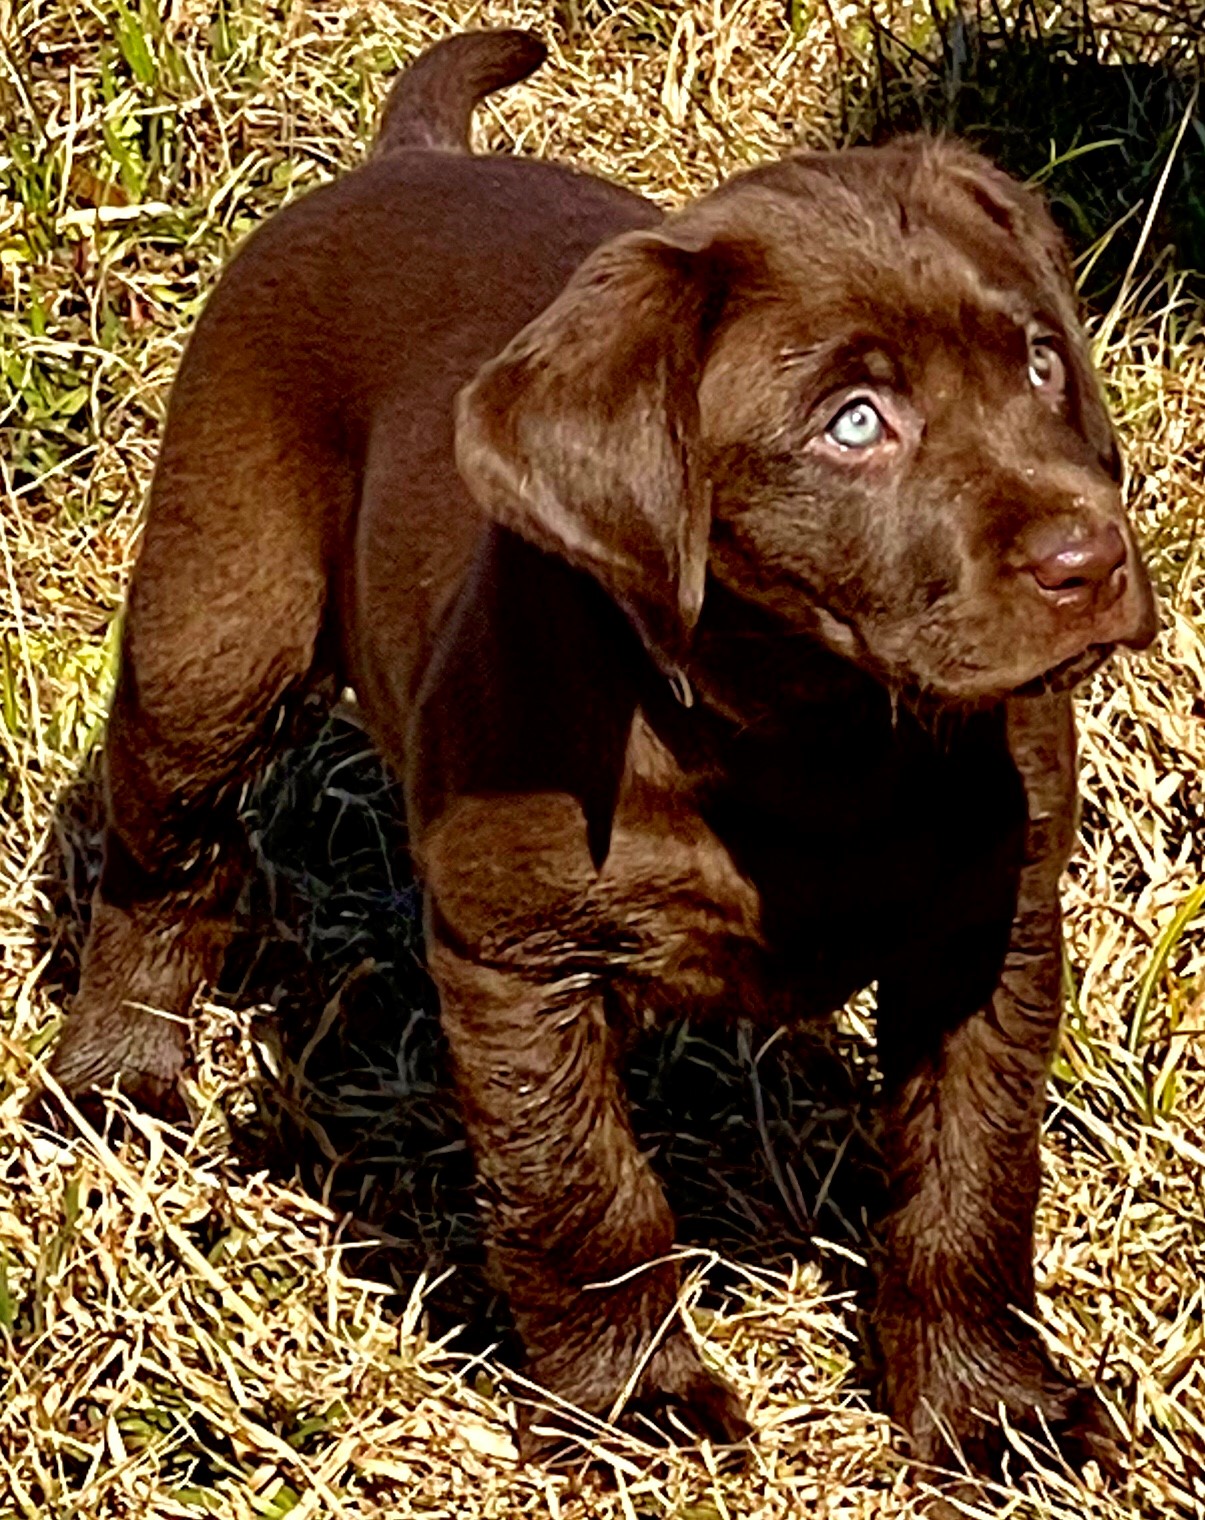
223	629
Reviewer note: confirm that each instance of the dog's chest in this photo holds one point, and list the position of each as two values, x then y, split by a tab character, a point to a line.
795	865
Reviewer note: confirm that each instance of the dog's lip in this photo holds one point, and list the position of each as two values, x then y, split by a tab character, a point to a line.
1067	673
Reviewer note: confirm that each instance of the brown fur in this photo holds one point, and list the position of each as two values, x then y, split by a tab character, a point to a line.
697	705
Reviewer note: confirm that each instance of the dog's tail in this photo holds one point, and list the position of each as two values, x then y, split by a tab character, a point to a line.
431	104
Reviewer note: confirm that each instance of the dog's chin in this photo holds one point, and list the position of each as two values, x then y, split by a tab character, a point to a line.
927	698
1067	673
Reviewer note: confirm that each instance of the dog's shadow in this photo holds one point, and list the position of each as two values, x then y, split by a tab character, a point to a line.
1109	125
761	1138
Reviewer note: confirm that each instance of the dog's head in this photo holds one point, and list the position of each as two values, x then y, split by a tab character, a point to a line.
851	388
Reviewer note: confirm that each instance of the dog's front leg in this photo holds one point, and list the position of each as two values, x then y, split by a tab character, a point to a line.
579	1230
965	1079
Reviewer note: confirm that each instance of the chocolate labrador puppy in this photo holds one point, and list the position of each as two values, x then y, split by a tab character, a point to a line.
715	582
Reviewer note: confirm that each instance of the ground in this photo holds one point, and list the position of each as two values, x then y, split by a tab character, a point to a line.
260	1314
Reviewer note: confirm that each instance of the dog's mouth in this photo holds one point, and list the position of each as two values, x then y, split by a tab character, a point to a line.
1068	673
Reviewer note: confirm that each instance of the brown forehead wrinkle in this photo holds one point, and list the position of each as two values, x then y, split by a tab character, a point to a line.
874	197
895	227
887	326
951	276
924	280
886	321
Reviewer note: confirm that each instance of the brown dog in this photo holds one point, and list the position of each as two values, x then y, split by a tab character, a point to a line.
747	496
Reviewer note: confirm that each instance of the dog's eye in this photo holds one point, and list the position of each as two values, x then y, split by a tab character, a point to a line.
857	426
1046	372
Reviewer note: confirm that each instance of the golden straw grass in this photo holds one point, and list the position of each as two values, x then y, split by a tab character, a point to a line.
195	1324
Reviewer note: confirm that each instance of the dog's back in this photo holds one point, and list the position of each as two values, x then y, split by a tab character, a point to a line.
335	345
306	516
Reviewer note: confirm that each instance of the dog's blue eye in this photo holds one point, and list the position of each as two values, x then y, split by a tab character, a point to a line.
857	426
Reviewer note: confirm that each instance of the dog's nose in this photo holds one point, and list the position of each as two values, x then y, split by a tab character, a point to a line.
1078	568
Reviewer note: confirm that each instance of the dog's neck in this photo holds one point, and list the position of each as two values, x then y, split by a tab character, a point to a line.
748	666
753	683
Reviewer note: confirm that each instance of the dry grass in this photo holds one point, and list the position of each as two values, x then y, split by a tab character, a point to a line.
238	1320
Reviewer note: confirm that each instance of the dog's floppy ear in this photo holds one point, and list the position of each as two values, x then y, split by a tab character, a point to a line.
582	436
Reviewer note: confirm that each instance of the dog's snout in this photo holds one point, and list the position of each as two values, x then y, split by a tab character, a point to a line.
1076	568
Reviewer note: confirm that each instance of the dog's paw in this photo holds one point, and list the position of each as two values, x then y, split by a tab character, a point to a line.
1070	1428
960	1419
1083	1432
676	1401
163	1101
145	1053
680	1395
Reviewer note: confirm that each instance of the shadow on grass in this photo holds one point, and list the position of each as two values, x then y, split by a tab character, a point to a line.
1091	116
762	1144
746	1145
